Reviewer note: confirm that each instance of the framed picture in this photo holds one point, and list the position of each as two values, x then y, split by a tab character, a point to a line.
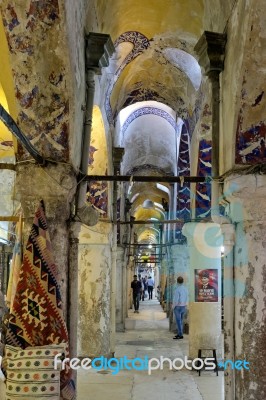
206	285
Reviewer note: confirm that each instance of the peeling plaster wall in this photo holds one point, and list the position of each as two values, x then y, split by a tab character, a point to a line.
75	27
40	64
250	330
7	204
120	291
216	14
251	127
242	101
56	185
248	212
94	309
231	80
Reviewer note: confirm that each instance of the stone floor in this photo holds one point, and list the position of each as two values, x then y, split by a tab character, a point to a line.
147	334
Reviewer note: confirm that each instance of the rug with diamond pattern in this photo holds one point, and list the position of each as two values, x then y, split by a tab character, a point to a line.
37	317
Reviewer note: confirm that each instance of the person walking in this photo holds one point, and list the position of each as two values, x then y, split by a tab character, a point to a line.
144	288
150	283
136	289
180	301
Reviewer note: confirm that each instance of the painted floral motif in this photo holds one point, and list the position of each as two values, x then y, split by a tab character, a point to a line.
203	190
250	144
98	196
183	192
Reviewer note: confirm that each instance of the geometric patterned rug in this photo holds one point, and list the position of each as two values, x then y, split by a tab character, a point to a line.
36	318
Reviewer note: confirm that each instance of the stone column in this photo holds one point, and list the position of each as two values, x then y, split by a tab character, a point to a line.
228	231
121	290
56	186
73	287
163	279
247	198
95	280
204	245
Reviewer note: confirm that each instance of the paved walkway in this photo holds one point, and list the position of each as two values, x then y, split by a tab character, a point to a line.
147	334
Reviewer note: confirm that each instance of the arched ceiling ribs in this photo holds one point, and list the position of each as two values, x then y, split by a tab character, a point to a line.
140	43
186	62
161	68
145	111
150	192
143	214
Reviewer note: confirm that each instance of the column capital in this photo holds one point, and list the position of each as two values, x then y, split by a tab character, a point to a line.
99	47
54	184
211	51
228	231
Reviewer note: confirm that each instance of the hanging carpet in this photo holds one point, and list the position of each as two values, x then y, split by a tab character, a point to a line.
37	318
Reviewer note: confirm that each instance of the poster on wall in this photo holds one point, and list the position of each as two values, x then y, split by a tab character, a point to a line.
206	285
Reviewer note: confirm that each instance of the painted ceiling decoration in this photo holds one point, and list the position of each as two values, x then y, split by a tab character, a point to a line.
148	69
140	43
203	190
148	169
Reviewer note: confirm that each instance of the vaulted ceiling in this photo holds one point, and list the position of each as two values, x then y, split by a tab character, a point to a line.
154	67
156	81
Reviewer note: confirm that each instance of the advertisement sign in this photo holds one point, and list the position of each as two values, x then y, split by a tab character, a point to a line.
206	285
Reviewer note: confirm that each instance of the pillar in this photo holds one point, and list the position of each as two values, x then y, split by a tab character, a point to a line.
56	186
228	231
120	290
95	285
204	247
247	210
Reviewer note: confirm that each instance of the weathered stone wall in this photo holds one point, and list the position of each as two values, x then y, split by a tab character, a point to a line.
94	310
75	12
216	14
120	289
40	64
242	101
56	186
247	206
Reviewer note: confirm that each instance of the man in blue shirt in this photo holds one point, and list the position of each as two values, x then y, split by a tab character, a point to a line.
150	283
179	306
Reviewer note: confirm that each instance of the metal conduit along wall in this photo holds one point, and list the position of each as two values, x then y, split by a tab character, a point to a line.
5	259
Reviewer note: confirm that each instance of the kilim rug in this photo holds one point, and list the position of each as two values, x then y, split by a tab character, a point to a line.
37	318
15	266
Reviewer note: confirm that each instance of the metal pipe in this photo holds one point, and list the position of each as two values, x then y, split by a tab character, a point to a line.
169	221
11	167
13	128
135	178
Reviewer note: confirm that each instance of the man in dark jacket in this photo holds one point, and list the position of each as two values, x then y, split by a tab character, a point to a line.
136	289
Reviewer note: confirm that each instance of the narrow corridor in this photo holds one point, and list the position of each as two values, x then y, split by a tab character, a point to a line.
147	334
